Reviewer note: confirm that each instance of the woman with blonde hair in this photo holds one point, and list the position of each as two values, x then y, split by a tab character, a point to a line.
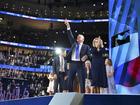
98	71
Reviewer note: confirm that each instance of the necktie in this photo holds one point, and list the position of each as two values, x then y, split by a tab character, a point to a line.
77	51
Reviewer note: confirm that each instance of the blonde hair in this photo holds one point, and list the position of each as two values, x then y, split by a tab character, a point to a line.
88	62
93	42
100	42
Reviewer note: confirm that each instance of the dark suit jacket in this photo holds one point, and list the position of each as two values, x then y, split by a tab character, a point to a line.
56	65
85	49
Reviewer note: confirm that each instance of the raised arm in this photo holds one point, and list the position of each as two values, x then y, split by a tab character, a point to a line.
69	32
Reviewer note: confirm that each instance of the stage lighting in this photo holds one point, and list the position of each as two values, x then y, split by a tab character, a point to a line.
58	50
94	5
65	7
1	19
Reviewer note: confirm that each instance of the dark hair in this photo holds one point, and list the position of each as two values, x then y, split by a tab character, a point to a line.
110	62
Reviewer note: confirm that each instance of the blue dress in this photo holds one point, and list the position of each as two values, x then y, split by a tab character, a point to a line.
110	80
98	71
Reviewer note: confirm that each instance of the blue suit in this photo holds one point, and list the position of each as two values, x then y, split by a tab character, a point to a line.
76	66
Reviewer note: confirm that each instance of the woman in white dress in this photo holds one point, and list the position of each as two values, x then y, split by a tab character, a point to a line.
110	76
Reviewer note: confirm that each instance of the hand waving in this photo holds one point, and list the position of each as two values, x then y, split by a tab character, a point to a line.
67	23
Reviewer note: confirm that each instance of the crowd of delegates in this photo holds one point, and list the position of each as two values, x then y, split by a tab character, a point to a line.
24	35
15	84
22	57
72	11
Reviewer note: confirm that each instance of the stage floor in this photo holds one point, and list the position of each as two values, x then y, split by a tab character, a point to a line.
88	99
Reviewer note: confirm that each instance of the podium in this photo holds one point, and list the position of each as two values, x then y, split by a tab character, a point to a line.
72	98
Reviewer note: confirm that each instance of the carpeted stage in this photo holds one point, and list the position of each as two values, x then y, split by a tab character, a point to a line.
88	99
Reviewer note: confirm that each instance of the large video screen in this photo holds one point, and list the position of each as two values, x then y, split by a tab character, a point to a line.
124	38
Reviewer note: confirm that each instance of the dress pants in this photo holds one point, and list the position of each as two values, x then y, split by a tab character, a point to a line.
76	67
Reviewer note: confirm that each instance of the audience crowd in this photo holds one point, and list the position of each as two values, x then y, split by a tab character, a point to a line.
23	57
16	84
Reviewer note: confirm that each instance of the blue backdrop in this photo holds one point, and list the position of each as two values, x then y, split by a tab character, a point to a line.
124	44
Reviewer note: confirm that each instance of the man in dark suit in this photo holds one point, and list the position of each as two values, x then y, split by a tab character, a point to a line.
77	55
59	69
